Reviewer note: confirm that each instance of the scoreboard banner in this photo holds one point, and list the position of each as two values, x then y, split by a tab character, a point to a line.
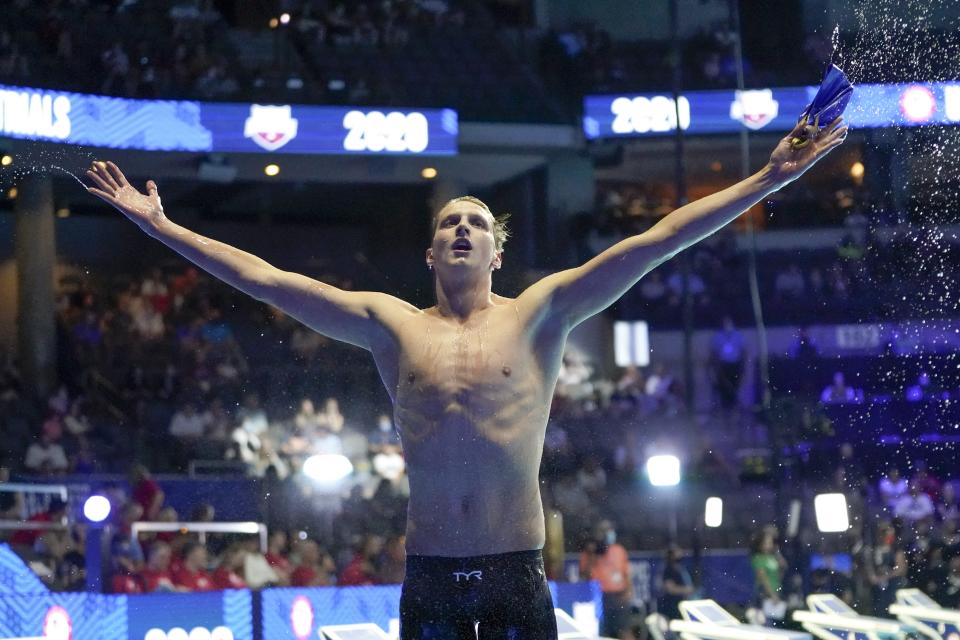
180	125
775	110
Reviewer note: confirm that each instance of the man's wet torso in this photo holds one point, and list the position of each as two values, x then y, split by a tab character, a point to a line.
471	401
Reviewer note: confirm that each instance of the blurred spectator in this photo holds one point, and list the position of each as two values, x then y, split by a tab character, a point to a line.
951	592
46	457
229	574
392	568
253	419
188	424
838	392
727	361
790	284
361	569
307	419
892	487
156	575
192	574
925	481
55	513
126	568
315	567
804	348
948	507
914	506
676	584
592	478
606	561
384	436
277	555
330	417
768	570
886	568
146	492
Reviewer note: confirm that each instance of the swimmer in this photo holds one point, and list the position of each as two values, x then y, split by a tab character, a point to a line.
471	379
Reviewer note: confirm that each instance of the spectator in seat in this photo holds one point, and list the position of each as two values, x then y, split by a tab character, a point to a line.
315	568
838	392
229	574
46	457
192	575
146	492
361	570
156	575
914	506
892	487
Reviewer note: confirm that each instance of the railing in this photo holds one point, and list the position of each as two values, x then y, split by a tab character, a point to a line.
203	528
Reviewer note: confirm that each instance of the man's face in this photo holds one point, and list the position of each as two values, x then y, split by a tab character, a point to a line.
463	238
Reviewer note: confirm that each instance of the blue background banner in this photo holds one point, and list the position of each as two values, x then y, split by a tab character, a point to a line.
181	125
775	110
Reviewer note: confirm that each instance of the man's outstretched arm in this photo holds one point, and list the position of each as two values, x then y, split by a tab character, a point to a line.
350	316
573	295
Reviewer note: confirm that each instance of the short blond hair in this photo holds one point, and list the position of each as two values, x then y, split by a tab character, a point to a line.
500	231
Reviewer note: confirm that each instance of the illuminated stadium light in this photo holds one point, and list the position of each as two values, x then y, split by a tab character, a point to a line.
271	170
713	512
63	212
6	160
96	508
274	23
327	468
12	194
663	471
631	343
284	18
856	170
429	173
831	509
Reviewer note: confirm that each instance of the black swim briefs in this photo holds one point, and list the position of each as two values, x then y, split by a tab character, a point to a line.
506	594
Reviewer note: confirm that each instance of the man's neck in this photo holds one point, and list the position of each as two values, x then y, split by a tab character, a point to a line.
460	298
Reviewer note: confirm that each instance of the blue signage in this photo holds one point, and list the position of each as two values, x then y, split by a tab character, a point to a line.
176	125
777	110
217	615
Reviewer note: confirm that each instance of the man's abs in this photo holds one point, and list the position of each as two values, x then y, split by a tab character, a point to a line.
454	519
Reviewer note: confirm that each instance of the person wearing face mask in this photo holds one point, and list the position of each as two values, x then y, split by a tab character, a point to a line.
606	561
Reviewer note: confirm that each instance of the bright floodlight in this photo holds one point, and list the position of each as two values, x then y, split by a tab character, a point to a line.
663	471
96	508
831	509
327	468
713	514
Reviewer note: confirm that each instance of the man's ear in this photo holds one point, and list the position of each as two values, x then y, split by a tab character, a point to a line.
497	260
430	258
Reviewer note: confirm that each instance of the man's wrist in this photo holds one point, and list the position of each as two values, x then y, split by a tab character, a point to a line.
769	179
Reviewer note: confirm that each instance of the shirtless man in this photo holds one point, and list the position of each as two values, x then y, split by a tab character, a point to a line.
471	380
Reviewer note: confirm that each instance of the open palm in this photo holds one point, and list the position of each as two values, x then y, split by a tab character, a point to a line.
113	187
789	162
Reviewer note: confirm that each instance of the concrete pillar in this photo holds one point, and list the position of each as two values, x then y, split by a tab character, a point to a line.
35	251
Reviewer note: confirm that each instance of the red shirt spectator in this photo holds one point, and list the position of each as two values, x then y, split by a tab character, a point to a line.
193	575
127	584
315	569
227	575
157	580
54	513
146	492
224	578
359	572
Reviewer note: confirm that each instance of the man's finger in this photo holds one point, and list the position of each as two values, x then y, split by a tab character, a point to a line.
103	194
101	169
100	181
117	174
151	187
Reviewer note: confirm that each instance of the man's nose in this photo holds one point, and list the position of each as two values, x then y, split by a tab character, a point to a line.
462	230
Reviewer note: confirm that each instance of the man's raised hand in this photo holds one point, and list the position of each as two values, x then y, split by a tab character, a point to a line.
112	187
790	161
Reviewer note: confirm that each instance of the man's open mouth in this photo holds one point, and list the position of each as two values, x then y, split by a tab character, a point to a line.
461	245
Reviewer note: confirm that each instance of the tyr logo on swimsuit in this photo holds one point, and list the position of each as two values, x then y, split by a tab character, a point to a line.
467	575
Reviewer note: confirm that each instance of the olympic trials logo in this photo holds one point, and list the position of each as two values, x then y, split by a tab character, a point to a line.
755	109
270	127
57	624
